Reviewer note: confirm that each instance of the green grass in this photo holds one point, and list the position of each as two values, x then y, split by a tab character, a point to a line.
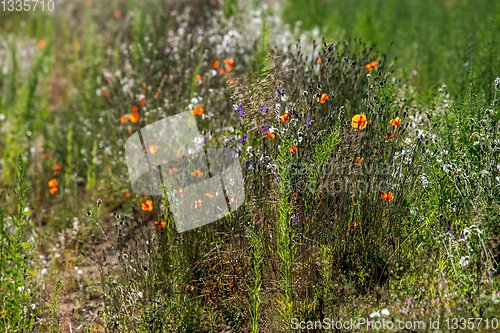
441	40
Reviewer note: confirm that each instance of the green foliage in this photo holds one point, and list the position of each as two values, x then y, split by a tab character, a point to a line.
441	40
16	271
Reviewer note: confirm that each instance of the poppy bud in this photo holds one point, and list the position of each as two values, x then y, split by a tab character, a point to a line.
89	213
305	93
99	202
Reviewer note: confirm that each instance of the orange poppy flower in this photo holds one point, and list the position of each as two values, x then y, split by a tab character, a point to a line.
189	287
198	111
117	14
387	196
197	173
53	190
208	195
371	65
292	149
106	94
216	64
172	170
162	224
319	61
53	182
42	44
58	168
157	94
270	135
153	149
284	117
197	203
127	195
198	78
234	198
230	82
129	130
134	117
135	108
144	87
323	99
142	101
359	121
229	65
389	136
123	119
359	160
148	206
221	71
396	122
181	191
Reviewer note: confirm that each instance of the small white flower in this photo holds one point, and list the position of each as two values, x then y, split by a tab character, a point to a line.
375	314
385	312
139	293
44	271
33	306
80	272
464	261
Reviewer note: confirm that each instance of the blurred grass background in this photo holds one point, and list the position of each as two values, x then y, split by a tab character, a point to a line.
440	39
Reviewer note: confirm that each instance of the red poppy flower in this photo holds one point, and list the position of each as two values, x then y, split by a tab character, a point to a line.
147	206
216	64
284	117
198	111
134	117
371	65
387	196
292	150
359	121
323	99
396	122
197	173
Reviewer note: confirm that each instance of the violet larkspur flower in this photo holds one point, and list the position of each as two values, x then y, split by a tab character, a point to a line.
308	121
448	230
244	138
